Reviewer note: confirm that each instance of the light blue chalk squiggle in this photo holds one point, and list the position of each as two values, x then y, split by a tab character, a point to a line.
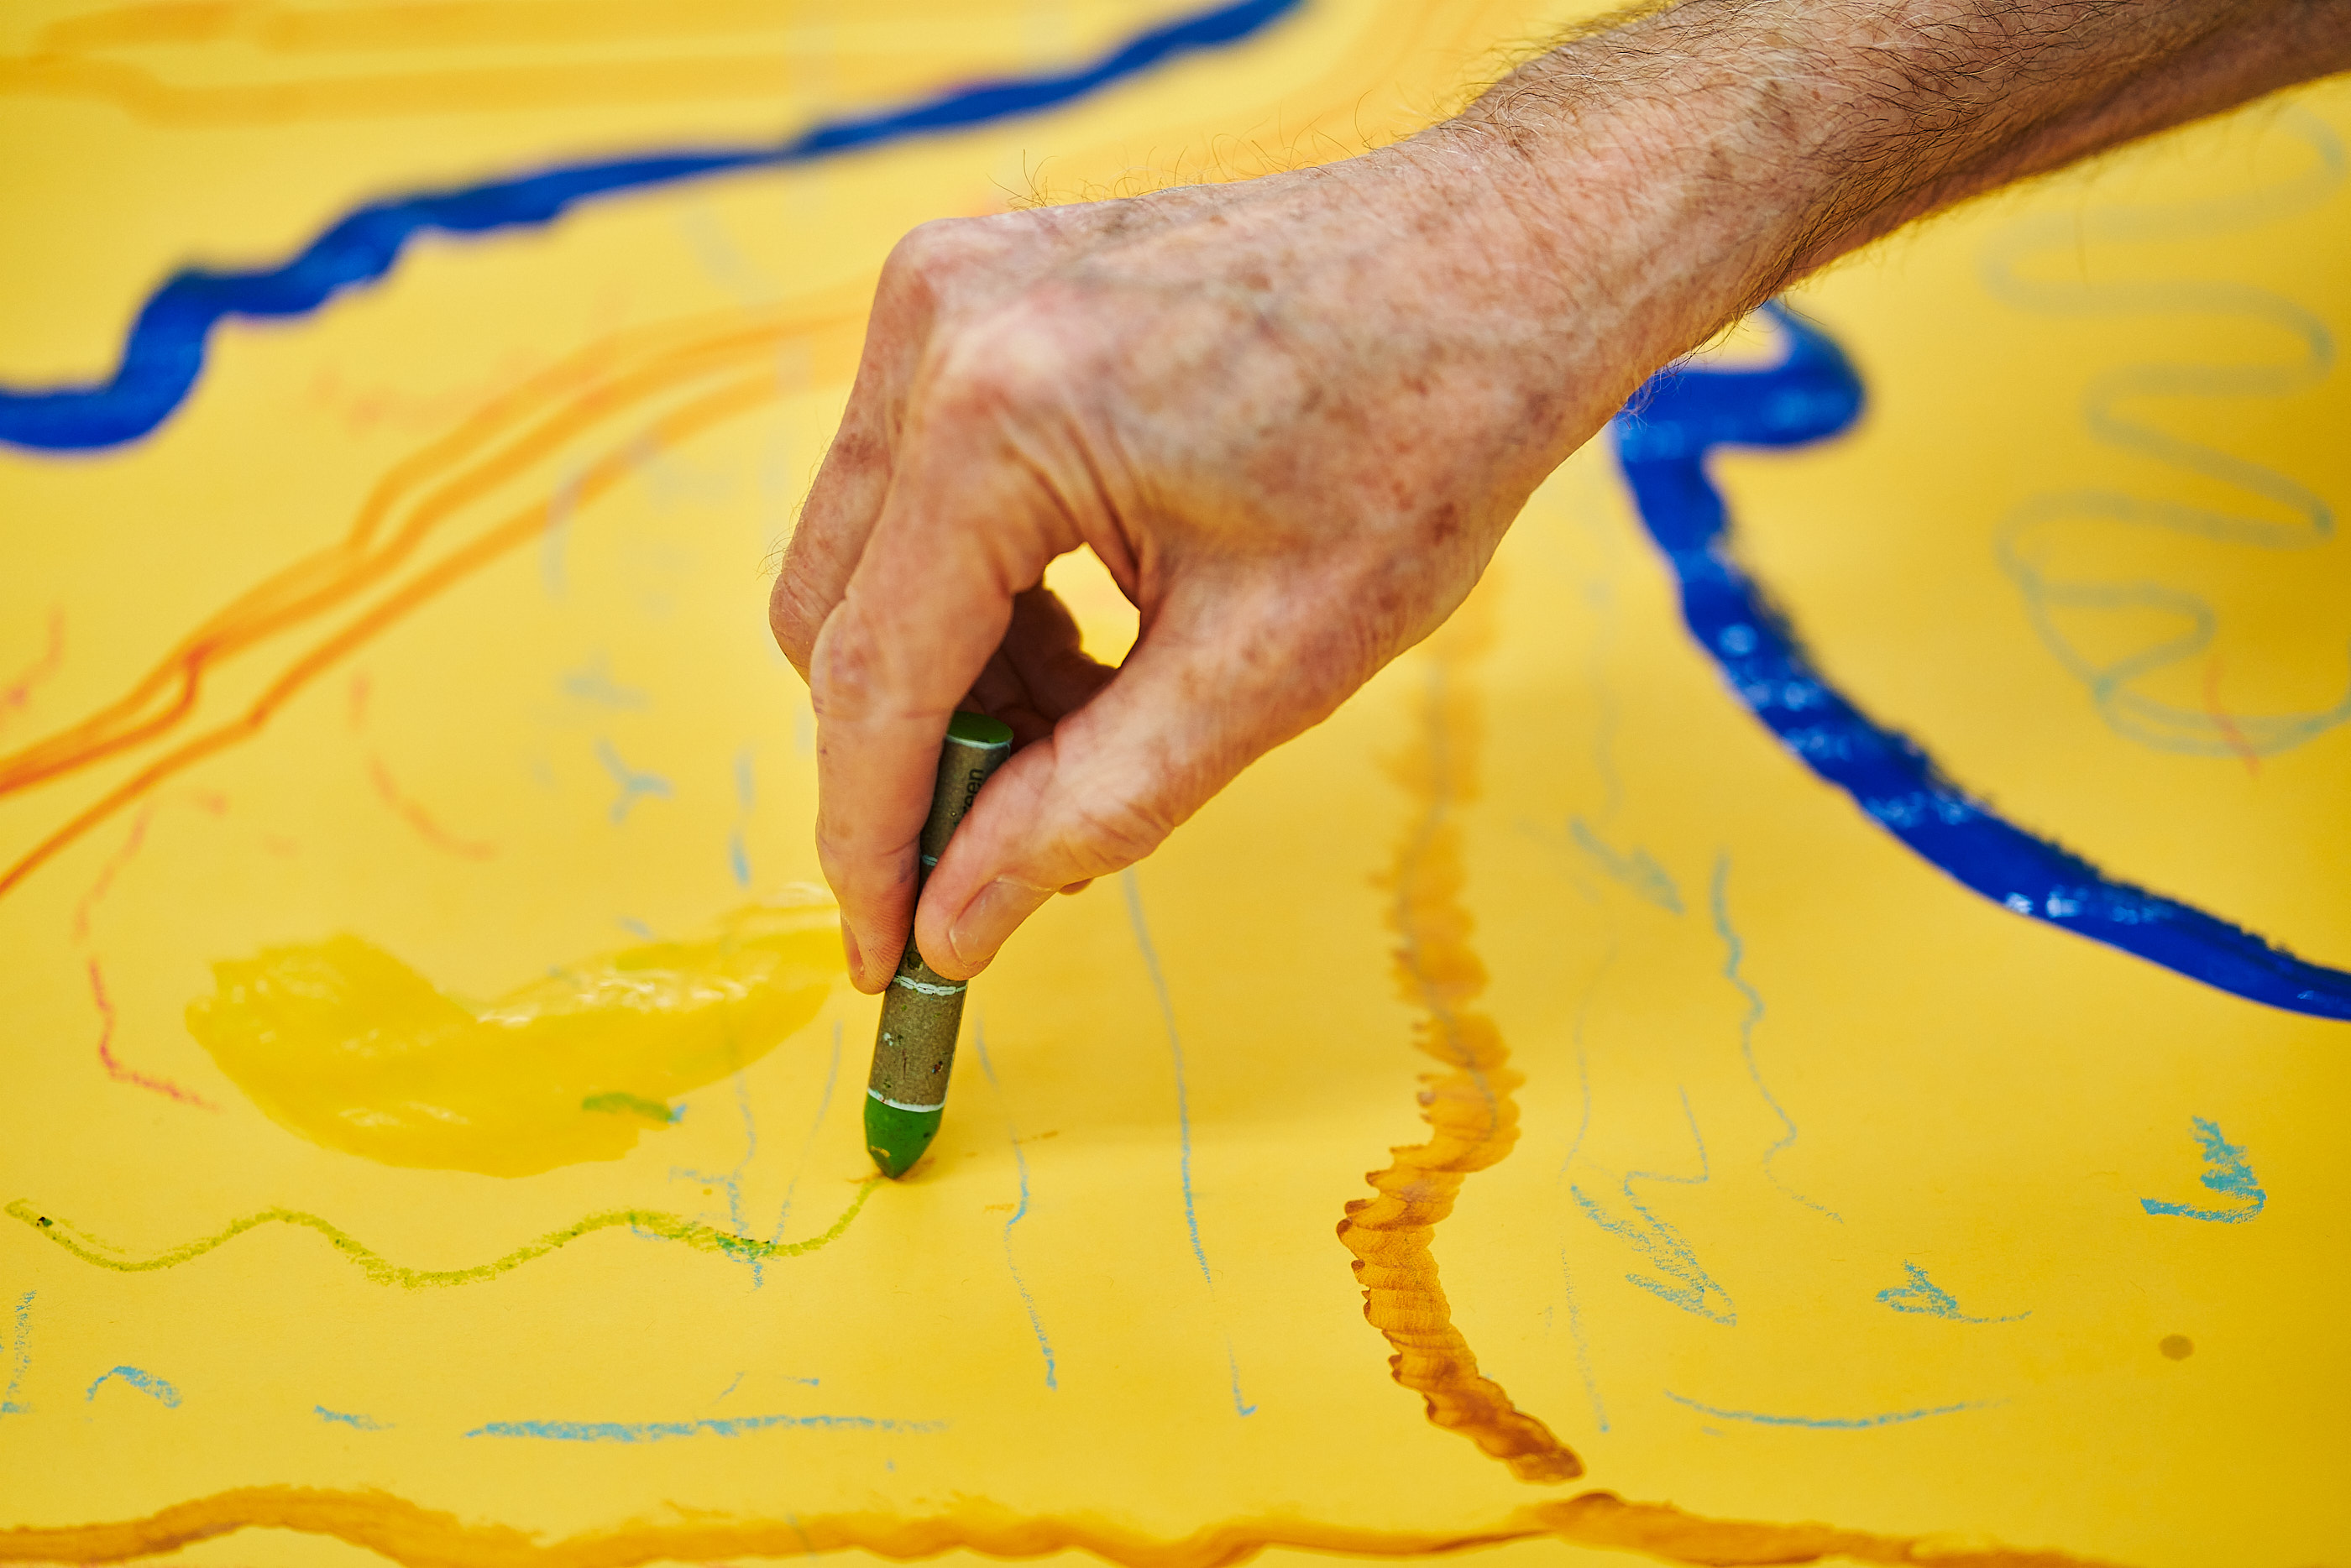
2025	538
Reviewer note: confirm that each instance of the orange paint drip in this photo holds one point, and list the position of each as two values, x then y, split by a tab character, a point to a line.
1468	1107
418	1537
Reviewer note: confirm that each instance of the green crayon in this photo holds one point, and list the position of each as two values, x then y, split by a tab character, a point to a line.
923	1009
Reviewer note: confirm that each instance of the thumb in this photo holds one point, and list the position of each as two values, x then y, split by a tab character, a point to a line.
1215	684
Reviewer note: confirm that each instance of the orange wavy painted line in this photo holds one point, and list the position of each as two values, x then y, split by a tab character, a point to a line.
419	1537
277	28
1469	1109
146	96
316	582
713	409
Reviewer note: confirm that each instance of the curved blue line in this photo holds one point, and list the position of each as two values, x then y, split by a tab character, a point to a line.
164	353
1662	440
1830	1423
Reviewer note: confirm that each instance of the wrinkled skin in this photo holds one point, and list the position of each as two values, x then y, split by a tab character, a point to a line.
1294	415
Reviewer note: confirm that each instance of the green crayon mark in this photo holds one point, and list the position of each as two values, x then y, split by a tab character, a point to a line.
653	1222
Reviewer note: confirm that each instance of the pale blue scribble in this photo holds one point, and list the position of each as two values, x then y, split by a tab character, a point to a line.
655	1431
1695	1290
2226	1173
1182	1114
20	1356
1924	1295
1020	1212
1754	1015
1583	1350
633	784
807	1144
146	1382
1637	870
593	683
348	1418
636	928
2181	624
1831	1423
738	848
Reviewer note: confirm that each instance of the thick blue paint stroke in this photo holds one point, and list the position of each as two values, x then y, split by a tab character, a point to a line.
147	1382
1830	1423
1662	441
2226	1173
164	353
1924	1295
1020	1212
655	1431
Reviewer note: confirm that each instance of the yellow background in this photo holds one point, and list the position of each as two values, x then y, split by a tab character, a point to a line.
1972	1094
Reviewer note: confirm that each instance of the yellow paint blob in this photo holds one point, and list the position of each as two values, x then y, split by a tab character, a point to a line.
345	1045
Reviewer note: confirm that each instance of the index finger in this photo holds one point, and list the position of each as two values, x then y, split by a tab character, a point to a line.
928	602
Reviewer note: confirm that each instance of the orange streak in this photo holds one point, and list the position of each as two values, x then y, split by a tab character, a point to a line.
1469	1109
417	817
701	413
2227	725
19	692
114	1067
325	579
417	1537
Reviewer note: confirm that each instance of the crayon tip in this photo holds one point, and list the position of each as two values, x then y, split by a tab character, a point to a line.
897	1138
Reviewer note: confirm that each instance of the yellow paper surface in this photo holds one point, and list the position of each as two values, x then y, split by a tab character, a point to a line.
1803	1198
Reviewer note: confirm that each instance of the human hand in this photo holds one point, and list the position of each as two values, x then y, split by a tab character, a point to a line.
1293	416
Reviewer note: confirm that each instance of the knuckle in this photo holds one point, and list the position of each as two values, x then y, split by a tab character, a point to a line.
928	258
1011	362
1109	836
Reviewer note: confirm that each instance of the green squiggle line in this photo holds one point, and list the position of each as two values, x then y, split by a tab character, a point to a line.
385	1272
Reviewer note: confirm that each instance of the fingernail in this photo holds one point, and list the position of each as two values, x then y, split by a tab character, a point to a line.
990	918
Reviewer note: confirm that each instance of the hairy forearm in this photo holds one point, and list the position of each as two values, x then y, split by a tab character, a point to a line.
1717	150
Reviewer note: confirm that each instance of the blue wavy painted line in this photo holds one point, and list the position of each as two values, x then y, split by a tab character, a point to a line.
655	1431
164	353
1662	440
